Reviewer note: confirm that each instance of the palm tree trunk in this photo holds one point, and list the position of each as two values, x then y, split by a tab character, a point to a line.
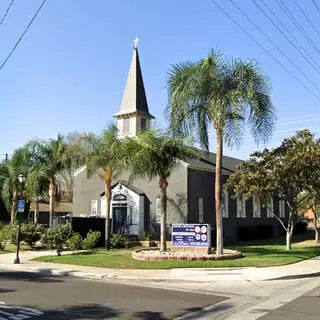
163	233
217	194
108	181
51	199
14	206
36	212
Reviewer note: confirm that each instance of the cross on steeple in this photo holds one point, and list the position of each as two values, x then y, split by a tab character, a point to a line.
135	41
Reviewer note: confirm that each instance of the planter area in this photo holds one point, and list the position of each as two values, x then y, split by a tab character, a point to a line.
171	255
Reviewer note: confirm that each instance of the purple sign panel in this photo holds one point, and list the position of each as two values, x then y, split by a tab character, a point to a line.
191	235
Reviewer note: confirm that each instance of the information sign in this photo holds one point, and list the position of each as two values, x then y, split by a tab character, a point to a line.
20	205
191	235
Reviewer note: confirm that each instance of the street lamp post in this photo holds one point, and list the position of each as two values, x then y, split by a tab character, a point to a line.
21	179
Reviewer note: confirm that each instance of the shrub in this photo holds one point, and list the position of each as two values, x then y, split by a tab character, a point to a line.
91	240
31	233
75	242
57	237
146	236
119	241
47	238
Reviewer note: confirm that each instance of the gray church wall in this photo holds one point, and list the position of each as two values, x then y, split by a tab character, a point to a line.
86	190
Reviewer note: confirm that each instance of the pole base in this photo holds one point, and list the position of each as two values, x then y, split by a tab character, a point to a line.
16	261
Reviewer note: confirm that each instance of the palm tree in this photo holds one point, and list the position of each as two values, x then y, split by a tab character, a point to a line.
50	158
153	154
225	96
12	189
101	153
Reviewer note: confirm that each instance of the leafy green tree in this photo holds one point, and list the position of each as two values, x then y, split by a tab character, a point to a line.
101	154
279	173
226	97
154	154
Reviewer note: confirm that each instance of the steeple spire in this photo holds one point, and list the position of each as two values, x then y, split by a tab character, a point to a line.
134	99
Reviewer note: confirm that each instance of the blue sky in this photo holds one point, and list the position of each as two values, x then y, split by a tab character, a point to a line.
69	71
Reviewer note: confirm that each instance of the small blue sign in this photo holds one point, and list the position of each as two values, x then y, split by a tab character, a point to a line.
191	235
20	205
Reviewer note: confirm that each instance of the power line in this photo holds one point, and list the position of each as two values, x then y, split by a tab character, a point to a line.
316	5
265	50
276	46
307	18
6	12
24	32
305	54
297	24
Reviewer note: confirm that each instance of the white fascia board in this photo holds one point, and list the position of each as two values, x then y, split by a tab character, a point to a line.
79	170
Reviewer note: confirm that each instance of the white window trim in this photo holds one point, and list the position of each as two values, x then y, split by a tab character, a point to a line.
270	208
256	206
94	207
224	209
200	209
282	212
241	203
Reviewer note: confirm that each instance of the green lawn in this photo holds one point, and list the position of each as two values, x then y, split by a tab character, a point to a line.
9	248
254	256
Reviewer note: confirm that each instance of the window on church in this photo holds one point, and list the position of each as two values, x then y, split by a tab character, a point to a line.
200	208
224	206
256	207
94	207
241	207
143	124
126	125
270	208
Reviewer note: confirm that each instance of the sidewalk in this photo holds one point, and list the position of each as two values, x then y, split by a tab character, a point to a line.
303	269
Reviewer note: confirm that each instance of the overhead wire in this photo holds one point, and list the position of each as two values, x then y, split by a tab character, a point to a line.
23	34
276	46
316	5
299	48
307	18
265	50
288	13
6	12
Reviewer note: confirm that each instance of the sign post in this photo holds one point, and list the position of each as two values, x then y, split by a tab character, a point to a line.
21	204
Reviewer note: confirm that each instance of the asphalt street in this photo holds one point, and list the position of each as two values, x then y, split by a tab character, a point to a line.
34	296
305	307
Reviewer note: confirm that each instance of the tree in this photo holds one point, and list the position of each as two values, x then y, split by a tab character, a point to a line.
50	158
153	154
212	92
310	197
311	201
279	173
101	153
12	189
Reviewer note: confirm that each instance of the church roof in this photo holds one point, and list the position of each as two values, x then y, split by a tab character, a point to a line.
134	99
207	162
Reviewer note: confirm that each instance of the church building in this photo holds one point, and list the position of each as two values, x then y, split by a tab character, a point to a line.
136	205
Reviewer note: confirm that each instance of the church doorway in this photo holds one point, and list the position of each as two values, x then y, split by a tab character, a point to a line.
119	219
